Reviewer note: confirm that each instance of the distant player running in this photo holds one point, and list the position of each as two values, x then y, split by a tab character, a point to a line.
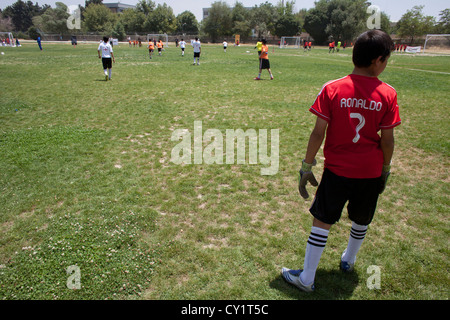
182	46
160	46
350	112
151	48
105	52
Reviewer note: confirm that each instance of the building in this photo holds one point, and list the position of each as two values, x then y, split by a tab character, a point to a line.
118	7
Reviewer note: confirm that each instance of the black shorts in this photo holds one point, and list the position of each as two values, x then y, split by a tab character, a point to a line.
107	63
264	64
333	193
196	54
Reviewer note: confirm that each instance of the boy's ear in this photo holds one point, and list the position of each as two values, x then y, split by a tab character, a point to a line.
377	60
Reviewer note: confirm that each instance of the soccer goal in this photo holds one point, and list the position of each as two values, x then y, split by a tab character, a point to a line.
290	42
158	36
7	39
436	40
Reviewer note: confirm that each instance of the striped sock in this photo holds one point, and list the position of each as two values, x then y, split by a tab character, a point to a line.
314	248
357	235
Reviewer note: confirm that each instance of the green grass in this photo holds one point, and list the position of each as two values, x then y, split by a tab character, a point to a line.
86	178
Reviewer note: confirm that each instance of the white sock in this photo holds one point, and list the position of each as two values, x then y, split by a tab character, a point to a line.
109	70
357	234
314	248
106	72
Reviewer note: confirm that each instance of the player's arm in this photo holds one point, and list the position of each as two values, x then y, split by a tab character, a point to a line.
112	56
314	143
99	55
315	139
387	146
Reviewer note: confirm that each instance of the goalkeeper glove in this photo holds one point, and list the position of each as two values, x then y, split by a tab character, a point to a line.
305	175
384	177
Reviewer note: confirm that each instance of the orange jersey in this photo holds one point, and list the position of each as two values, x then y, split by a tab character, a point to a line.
264	52
151	46
159	45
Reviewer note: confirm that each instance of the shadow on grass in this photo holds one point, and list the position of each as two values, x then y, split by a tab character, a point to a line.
329	285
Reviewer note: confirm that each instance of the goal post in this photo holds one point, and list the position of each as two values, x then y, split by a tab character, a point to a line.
290	42
7	39
159	36
435	37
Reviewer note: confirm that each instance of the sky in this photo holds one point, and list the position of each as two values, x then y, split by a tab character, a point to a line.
393	8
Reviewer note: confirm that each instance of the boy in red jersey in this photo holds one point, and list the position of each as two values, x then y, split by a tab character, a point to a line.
351	111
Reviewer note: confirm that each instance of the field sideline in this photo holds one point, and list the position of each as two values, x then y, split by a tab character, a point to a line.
87	179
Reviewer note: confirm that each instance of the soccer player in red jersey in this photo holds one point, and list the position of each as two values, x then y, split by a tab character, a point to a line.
350	112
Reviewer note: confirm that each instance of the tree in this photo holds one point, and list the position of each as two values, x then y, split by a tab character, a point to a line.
287	24
337	19
385	23
316	21
187	23
22	13
161	20
443	25
218	23
263	18
145	6
132	20
6	24
240	21
88	2
53	20
414	24
118	31
347	18
98	18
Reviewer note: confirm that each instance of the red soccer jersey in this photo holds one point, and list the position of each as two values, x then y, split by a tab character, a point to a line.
356	108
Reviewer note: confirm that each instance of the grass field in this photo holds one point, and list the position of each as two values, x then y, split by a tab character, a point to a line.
87	180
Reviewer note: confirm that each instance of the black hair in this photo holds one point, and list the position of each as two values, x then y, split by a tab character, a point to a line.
105	39
371	45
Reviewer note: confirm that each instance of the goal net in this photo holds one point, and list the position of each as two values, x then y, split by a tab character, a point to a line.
7	39
158	36
436	40
290	42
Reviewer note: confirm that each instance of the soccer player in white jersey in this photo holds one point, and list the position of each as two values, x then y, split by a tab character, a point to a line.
182	46
197	50
105	52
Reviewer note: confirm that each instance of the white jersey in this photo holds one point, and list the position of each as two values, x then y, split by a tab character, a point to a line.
183	44
225	44
196	45
106	49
